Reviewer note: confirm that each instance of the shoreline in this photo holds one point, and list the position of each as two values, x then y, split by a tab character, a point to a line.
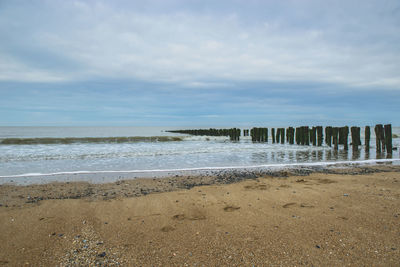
111	176
329	217
16	195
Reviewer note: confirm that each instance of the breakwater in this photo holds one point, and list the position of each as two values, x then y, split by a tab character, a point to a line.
306	136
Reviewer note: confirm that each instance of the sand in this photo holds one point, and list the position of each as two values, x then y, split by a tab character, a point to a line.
321	219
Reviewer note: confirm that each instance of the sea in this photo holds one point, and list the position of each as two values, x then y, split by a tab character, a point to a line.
105	154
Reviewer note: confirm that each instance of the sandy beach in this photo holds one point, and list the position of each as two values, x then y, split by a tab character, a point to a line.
347	217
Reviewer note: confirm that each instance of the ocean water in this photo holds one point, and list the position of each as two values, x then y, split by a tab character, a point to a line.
102	154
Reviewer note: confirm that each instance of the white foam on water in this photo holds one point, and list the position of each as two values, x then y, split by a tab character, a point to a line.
263	166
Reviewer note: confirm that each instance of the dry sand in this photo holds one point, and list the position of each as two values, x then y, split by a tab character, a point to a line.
316	220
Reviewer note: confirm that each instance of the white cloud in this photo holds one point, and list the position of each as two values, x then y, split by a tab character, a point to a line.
194	48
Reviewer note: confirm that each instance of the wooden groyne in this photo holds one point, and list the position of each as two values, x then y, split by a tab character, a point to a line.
233	133
306	135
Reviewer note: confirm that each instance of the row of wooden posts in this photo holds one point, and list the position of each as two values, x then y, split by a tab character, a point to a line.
305	135
334	136
233	133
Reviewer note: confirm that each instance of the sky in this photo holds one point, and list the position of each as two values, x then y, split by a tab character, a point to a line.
199	63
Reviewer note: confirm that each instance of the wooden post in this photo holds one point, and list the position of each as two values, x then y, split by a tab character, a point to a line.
319	136
273	135
307	135
292	142
344	132
380	138
335	139
278	135
355	137
388	138
287	135
301	135
290	133
314	136
367	138
282	135
328	135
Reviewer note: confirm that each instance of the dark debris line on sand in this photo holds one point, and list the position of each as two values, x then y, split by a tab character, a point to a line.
14	196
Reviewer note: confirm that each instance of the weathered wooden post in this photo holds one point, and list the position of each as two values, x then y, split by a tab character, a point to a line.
314	136
266	135
355	137
335	139
290	134
320	136
273	135
297	135
307	135
292	142
303	135
343	137
282	135
328	135
367	138
278	135
378	138
388	138
287	135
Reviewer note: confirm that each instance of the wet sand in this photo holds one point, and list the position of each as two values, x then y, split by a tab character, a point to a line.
335	217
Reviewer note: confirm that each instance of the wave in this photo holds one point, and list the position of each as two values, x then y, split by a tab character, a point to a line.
72	140
250	167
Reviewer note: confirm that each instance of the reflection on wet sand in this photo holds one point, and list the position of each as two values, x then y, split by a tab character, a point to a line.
296	155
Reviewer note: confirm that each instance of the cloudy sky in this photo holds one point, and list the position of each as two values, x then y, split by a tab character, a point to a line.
199	63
